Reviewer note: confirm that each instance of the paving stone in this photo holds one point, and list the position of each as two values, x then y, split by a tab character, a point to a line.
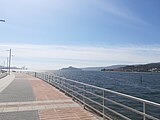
18	91
27	115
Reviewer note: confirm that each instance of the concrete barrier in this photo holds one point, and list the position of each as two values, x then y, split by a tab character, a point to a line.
5	81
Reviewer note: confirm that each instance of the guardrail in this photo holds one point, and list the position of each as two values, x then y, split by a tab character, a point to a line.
2	75
104	101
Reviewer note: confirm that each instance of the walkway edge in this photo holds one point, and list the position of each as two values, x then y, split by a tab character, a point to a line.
4	82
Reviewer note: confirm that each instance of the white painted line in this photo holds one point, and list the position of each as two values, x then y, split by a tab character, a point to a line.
38	107
74	105
13	103
10	109
31	105
58	101
26	108
35	102
3	104
1	109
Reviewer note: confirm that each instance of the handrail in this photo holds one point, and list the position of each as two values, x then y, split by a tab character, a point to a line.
2	75
119	104
124	106
64	84
124	95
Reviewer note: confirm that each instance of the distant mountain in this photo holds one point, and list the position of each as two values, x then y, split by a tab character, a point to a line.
151	67
71	69
100	68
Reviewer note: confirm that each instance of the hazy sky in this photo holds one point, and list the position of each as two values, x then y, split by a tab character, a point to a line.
50	34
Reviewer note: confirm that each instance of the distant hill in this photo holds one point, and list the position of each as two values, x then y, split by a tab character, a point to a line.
100	68
71	69
151	67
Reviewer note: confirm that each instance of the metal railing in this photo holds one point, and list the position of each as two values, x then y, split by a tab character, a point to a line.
101	100
2	75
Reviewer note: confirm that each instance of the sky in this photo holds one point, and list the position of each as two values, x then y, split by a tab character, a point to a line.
51	34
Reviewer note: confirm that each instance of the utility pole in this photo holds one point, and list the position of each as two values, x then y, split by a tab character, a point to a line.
10	61
7	64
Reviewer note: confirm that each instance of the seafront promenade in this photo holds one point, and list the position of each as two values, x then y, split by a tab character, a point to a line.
23	97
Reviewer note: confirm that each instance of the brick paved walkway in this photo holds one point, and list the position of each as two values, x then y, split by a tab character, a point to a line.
34	99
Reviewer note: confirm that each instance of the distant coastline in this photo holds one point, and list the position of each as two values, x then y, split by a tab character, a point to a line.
151	67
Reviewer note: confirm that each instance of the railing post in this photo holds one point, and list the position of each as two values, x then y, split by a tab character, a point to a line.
46	78
52	81
49	78
56	82
66	85
63	85
84	88
72	91
144	110
35	74
103	105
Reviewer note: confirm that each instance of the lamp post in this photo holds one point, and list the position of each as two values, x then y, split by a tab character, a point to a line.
2	21
10	61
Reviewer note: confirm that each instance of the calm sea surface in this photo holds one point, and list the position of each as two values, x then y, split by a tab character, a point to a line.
142	85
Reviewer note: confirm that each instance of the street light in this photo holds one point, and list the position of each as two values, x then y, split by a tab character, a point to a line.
2	21
9	61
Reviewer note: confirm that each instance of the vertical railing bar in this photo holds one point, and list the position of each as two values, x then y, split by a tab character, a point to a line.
53	80
49	78
72	92
144	110
103	106
63	82
83	96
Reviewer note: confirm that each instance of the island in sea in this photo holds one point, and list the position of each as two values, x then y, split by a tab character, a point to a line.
70	68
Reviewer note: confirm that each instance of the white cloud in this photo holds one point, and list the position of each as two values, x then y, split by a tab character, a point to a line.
119	10
56	56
